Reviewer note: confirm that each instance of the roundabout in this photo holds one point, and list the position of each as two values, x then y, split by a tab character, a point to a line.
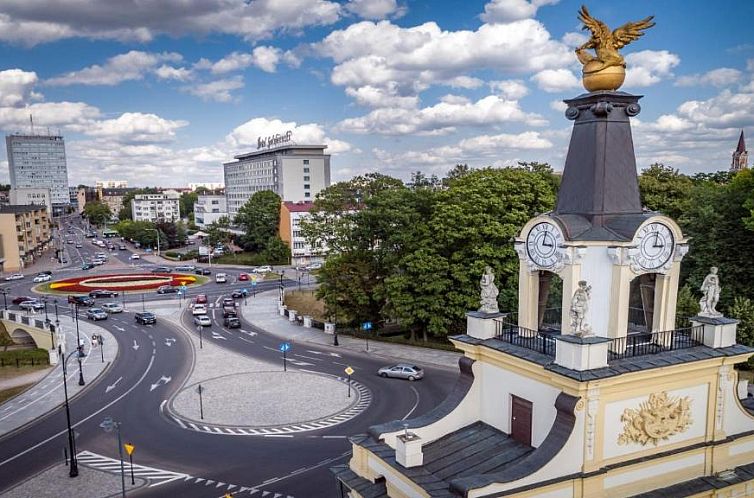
134	282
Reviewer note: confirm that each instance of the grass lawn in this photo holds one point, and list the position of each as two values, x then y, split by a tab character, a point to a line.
305	303
12	372
13	391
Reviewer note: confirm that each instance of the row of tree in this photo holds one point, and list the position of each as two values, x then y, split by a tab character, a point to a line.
413	253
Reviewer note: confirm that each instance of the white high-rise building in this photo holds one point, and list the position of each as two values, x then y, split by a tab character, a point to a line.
164	206
100	184
38	161
295	172
208	209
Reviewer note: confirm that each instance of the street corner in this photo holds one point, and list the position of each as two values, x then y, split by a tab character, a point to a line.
268	403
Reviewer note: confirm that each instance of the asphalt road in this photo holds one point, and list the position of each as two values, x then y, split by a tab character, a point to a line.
134	388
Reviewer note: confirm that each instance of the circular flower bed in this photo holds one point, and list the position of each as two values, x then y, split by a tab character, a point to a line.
123	282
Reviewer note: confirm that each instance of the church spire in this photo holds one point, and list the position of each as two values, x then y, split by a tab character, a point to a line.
740	156
741	143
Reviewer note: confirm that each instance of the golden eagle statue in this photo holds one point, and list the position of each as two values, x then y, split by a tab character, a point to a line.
607	70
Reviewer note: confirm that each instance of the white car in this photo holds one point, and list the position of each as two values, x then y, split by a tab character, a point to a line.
221	278
202	320
42	277
112	307
263	269
15	276
98	262
199	309
135	256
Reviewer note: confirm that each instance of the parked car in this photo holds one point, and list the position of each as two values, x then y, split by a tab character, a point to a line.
32	305
161	269
87	266
135	256
42	278
199	309
112	307
168	289
221	278
402	371
201	299
185	268
81	300
263	269
15	276
232	322
239	293
243	277
145	317
102	293
202	320
96	314
21	299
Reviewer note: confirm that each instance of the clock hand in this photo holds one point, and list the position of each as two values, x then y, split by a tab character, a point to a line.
544	241
657	239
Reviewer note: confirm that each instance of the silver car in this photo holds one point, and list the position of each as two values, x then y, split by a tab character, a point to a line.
96	314
112	307
402	371
202	320
32	305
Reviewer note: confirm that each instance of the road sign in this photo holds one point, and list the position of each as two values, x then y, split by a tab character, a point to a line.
253	283
349	371
129	448
366	326
254	278
184	288
286	346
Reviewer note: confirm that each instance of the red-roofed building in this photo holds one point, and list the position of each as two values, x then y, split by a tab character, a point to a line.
291	214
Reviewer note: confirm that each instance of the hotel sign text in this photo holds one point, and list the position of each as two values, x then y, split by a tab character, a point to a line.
273	140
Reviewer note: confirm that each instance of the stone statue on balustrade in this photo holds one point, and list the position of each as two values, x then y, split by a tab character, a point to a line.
711	290
489	292
579	310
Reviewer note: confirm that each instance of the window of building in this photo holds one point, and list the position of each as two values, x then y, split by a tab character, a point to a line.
307	194
306	161
306	178
306	186
306	170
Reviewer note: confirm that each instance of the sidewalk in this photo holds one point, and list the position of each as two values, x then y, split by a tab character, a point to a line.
48	394
262	312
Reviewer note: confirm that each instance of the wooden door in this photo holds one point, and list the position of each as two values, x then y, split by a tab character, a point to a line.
521	411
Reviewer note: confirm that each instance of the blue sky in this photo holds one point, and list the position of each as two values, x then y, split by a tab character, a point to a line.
164	91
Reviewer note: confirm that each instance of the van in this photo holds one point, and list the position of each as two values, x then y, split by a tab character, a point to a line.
221	278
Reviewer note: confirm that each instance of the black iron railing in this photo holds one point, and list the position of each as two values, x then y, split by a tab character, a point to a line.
534	340
657	342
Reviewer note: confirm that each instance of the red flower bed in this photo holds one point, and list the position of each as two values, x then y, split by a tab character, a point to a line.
122	282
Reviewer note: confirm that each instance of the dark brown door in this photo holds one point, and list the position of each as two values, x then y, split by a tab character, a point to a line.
521	420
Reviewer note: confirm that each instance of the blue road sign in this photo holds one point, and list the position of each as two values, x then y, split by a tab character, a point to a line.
253	283
286	346
184	288
366	326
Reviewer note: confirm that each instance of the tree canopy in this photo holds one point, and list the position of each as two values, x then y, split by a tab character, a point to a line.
97	212
260	219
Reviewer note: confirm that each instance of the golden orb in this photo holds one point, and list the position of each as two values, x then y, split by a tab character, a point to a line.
609	78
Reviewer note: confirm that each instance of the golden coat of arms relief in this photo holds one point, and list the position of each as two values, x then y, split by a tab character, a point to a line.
658	418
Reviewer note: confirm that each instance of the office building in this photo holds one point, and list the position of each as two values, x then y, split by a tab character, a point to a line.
295	172
156	208
24	235
27	196
208	209
291	216
38	161
100	184
207	185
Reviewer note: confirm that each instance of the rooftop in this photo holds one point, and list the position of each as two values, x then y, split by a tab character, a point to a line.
277	150
299	207
22	209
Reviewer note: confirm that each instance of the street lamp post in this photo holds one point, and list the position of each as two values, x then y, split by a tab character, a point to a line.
78	345
47	317
108	425
73	470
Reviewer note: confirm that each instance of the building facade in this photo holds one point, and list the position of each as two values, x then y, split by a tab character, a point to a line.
291	216
162	207
24	235
39	161
113	197
295	172
83	196
102	184
208	209
27	196
740	158
207	185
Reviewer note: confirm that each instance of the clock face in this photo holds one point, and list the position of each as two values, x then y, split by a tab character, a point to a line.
543	244
656	244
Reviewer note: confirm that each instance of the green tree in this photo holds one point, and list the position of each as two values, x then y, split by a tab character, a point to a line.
217	231
743	310
97	212
259	218
686	307
458	171
187	200
664	189
276	252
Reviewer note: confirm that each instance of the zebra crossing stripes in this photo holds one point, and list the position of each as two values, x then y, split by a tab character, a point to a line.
158	477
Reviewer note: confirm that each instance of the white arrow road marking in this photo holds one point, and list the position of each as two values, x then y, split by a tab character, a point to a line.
119	328
336	355
163	380
169	341
112	386
135	346
215	335
248	332
299	363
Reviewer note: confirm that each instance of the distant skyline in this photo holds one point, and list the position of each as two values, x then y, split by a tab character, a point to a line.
162	92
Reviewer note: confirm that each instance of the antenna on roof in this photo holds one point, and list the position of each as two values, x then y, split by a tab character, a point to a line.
31	121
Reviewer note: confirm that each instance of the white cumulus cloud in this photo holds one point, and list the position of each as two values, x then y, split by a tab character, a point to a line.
502	11
375	9
218	90
246	135
132	65
724	76
556	80
16	87
649	67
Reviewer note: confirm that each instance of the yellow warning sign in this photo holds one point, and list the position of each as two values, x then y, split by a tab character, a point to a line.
349	370
129	448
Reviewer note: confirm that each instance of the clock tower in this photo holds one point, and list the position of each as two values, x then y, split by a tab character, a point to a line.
599	233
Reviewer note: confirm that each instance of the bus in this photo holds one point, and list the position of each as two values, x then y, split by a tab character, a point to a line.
109	234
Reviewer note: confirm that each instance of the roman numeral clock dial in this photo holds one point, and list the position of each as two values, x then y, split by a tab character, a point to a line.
544	245
655	244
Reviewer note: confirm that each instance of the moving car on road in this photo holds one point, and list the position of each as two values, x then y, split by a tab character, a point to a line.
199	309
201	299
203	271
228	312
168	289
21	299
161	269
145	317
42	277
228	301
263	269
202	320
102	293
243	277
402	371
15	276
122	247
112	307
81	300
135	256
221	278
32	305
185	268
96	314
239	293
232	322
87	266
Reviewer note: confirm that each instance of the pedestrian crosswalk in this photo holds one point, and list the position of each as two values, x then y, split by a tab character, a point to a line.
157	477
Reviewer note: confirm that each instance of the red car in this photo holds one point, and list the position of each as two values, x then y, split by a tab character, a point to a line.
243	276
21	299
201	299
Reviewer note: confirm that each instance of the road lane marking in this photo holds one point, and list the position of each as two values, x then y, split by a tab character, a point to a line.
415	404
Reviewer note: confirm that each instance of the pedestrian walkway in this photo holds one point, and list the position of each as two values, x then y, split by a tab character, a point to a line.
25	379
48	393
262	311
